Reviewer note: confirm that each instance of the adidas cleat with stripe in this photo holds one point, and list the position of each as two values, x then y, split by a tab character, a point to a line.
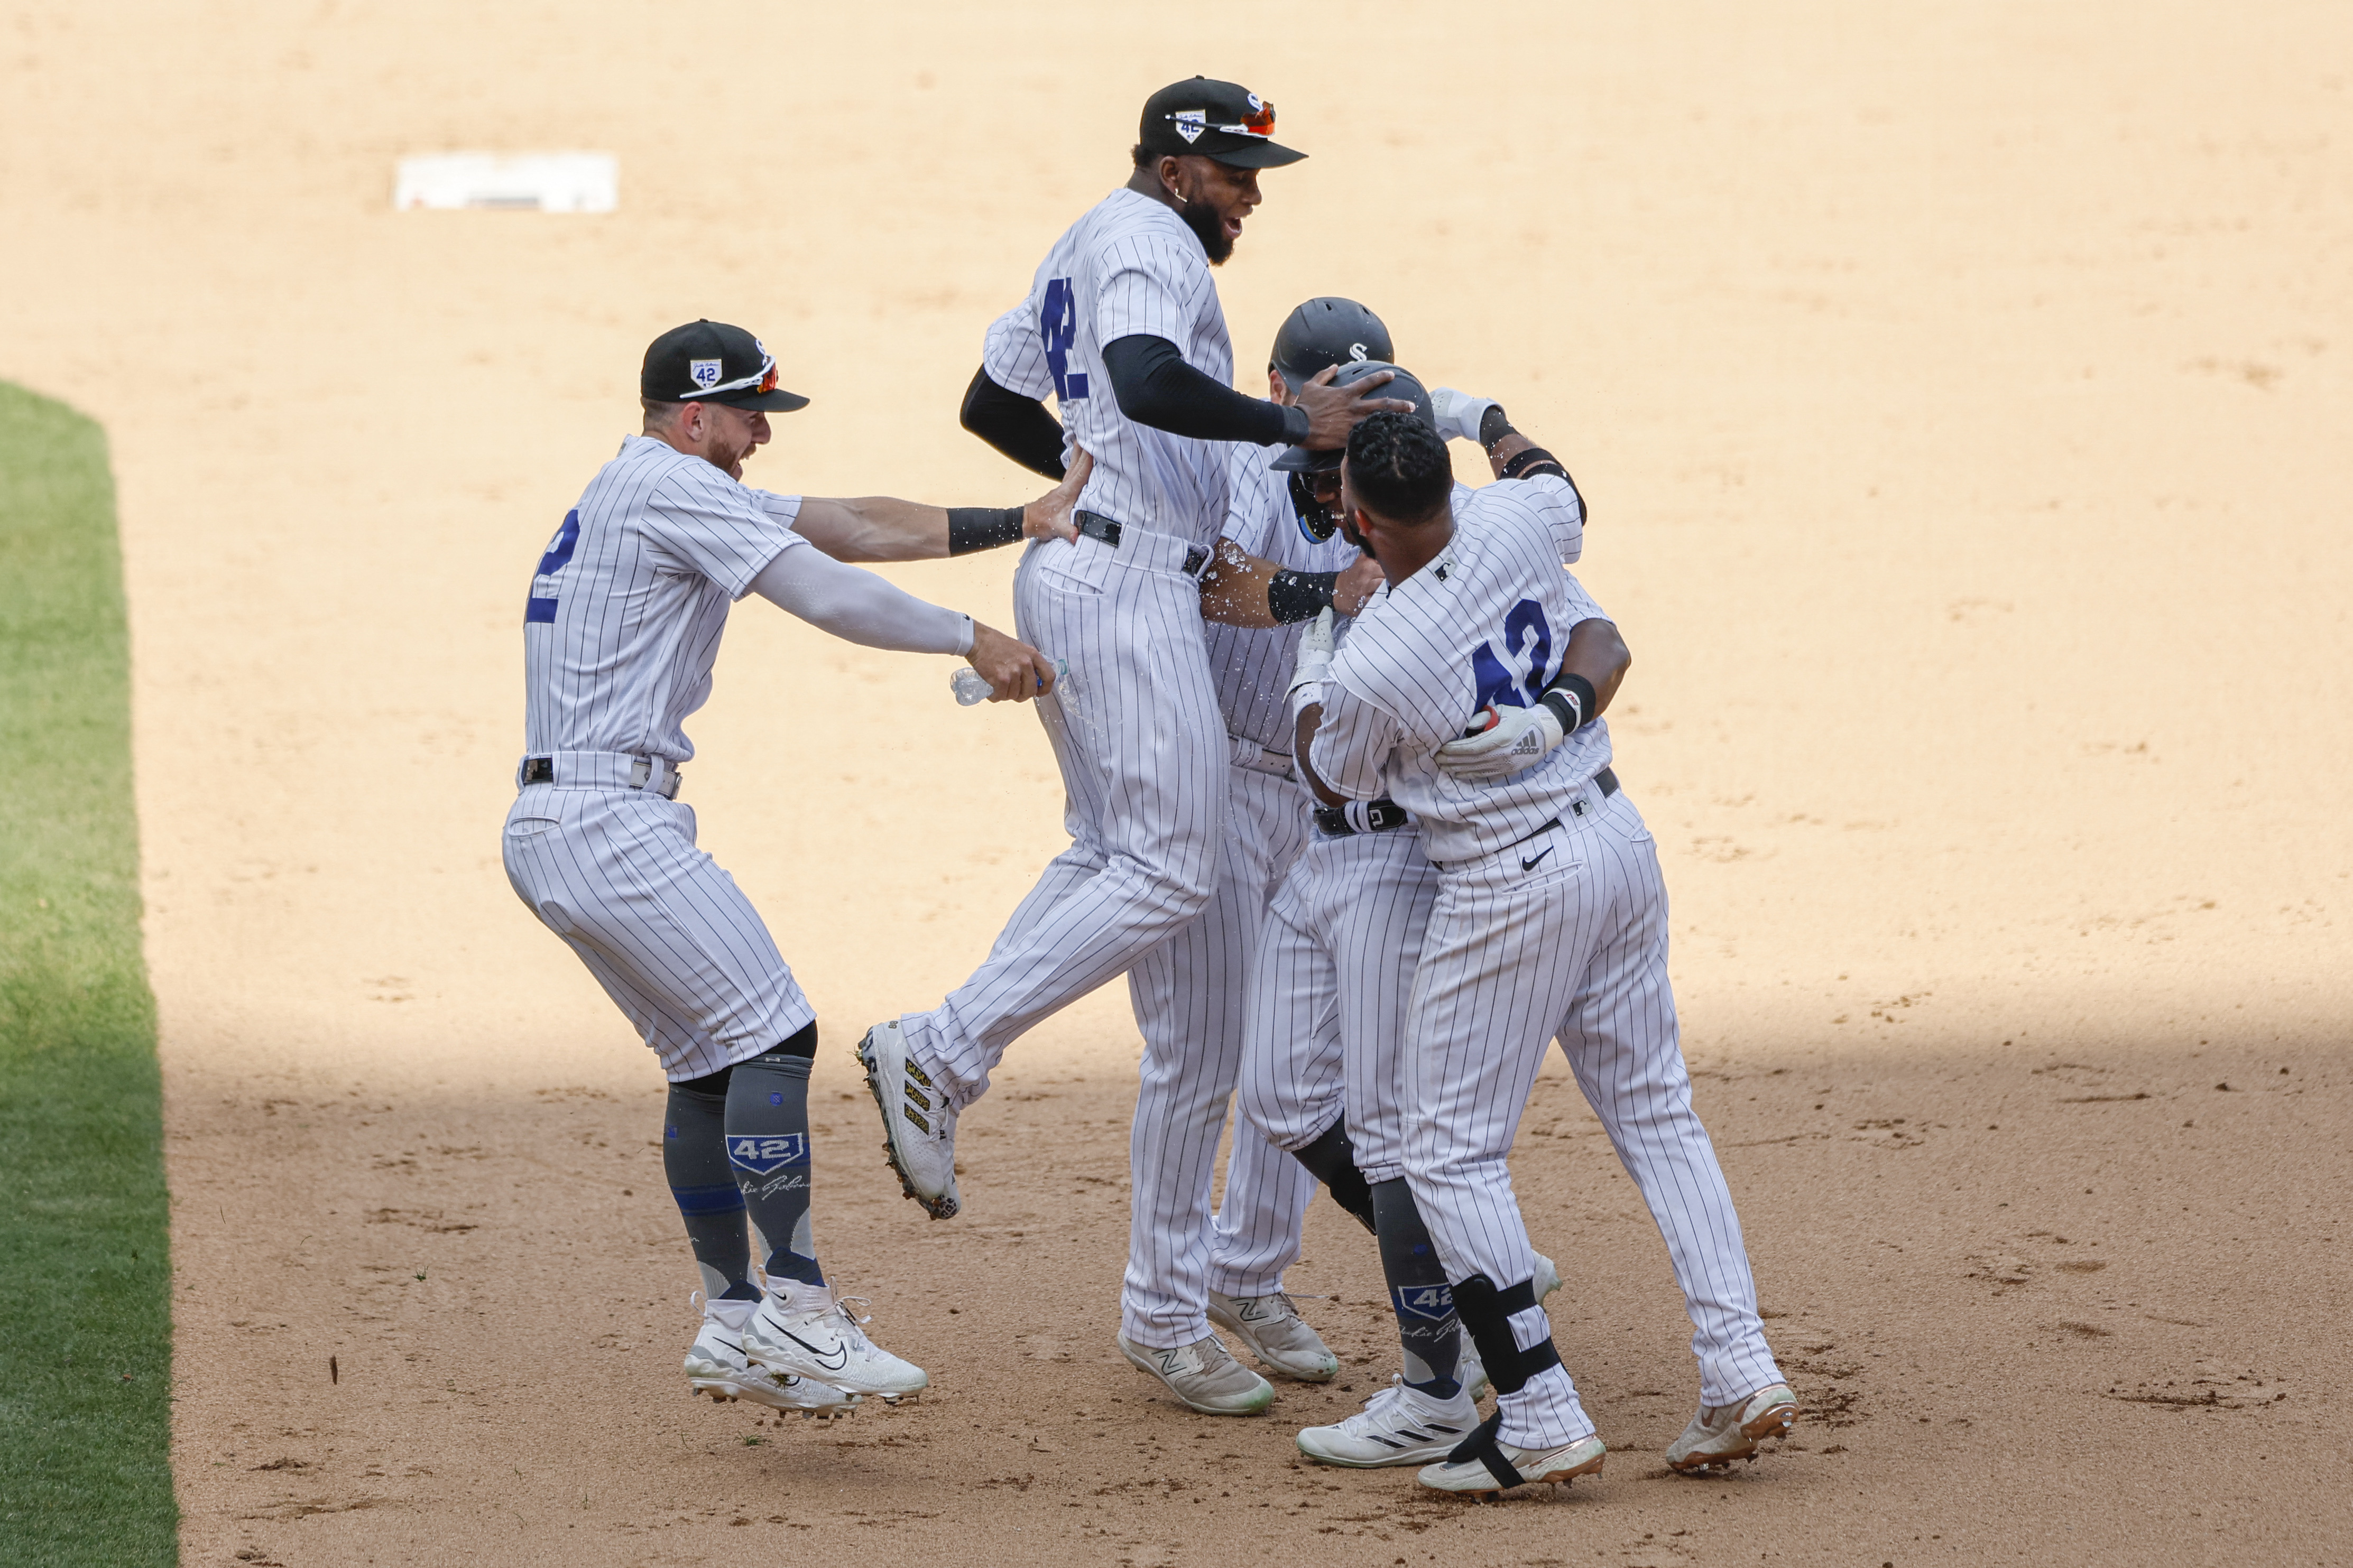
1399	1425
918	1120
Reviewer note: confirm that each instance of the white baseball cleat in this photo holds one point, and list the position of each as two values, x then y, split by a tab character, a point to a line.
918	1121
1723	1433
1276	1334
1204	1376
716	1366
1399	1425
825	1342
1468	1367
1473	1478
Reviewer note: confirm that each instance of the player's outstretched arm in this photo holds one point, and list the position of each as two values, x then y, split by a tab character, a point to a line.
1245	590
884	528
1595	662
858	606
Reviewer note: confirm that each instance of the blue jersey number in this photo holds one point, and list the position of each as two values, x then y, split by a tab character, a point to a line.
1516	680
1057	323
558	556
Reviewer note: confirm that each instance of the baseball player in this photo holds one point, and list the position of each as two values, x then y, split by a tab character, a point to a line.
1548	918
1122	327
620	632
1327	990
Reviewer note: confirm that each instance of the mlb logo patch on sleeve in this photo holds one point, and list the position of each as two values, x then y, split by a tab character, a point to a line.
761	1155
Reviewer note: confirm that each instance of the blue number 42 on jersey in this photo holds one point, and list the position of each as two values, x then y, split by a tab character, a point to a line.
1517	678
1057	324
541	606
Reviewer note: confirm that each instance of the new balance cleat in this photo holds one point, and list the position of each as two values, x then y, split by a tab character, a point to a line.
1204	1376
1276	1334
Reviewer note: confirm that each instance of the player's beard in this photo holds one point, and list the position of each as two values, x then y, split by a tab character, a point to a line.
1209	227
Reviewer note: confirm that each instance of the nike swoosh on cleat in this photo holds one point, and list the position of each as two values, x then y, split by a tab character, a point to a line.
1532	865
840	1351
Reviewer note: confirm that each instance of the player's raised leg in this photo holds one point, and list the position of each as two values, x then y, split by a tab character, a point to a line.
1144	755
1622	1042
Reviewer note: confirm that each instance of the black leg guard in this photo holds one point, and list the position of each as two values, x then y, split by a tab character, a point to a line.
1486	1314
1333	1161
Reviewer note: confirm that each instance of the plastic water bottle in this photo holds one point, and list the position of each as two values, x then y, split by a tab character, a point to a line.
970	688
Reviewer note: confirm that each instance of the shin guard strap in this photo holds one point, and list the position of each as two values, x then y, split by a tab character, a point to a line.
1481	1445
1486	1314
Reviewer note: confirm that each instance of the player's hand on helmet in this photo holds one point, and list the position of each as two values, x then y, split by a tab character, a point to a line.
1358	583
1315	662
1015	671
1050	516
1515	739
1333	411
1458	413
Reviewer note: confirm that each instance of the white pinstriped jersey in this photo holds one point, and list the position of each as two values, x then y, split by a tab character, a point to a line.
1486	623
628	603
1251	665
1129	267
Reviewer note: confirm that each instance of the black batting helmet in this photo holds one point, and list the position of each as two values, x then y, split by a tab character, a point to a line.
1327	331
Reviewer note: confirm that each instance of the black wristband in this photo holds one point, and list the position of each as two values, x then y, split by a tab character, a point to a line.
972	528
1571	699
1494	426
1530	461
1299	595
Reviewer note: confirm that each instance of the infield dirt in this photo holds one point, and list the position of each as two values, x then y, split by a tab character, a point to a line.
1962	400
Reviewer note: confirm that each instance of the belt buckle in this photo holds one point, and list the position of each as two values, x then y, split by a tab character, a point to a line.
1195	559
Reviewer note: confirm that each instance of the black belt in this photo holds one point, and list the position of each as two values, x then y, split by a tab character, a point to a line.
1604	781
1096	526
1380	817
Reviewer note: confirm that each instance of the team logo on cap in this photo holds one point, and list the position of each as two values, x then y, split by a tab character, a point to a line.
703	372
1356	350
1190	124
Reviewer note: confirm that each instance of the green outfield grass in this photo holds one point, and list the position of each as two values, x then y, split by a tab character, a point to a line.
85	1263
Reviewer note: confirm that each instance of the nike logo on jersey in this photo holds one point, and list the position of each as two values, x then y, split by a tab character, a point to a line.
1532	865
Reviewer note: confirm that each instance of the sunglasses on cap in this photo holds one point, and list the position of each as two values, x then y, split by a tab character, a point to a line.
1258	122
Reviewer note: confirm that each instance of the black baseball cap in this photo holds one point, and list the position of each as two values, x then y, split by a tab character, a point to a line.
711	361
1217	119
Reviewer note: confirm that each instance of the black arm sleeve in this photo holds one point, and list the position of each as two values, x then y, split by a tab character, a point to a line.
1154	386
1014	424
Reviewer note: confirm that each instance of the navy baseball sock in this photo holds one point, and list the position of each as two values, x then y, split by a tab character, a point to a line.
694	1159
1427	1325
768	1142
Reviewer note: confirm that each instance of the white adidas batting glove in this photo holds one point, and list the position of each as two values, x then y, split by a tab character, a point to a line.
1314	665
1519	738
1458	413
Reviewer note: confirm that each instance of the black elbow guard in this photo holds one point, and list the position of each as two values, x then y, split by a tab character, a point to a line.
972	528
1532	462
1299	595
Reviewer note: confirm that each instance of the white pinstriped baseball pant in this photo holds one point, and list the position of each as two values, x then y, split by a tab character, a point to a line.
665	931
1573	946
1188	993
1144	755
1326	1015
